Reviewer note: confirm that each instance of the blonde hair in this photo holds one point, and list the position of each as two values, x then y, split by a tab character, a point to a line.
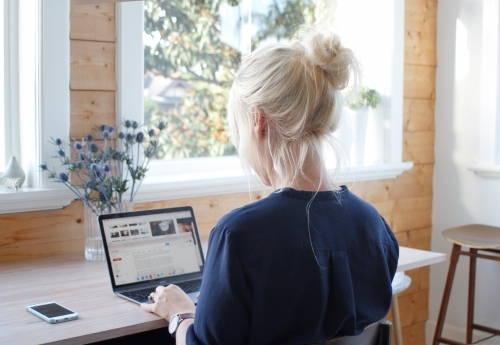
297	87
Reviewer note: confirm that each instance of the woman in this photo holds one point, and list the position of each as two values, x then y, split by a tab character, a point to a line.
311	261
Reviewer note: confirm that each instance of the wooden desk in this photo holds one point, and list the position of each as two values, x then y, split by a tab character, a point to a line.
84	286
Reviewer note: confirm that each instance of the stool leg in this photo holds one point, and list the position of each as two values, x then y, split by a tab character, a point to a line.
396	320
472	290
446	294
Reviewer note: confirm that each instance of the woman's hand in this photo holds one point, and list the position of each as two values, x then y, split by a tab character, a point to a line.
170	301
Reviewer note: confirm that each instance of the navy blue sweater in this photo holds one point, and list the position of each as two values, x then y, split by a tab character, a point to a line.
273	276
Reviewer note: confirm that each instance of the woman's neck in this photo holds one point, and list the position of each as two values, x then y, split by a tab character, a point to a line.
314	178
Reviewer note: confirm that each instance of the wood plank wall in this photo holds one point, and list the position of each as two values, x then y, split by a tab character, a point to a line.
405	202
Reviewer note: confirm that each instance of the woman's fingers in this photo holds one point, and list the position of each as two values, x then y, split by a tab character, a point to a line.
169	301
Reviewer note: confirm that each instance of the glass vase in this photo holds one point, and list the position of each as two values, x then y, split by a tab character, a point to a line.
94	250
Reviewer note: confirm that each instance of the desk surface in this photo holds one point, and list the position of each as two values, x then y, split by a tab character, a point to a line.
84	286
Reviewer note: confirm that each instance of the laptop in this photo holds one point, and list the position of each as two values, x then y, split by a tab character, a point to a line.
145	249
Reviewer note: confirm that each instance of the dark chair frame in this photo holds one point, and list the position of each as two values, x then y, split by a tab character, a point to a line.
378	333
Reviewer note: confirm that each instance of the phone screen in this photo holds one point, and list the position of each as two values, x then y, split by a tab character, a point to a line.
51	310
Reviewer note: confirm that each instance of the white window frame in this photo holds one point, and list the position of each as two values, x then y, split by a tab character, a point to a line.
488	158
181	178
49	113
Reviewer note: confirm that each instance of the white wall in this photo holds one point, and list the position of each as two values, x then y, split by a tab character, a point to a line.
465	130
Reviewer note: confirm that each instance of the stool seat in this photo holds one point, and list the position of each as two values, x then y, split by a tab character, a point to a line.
400	282
474	236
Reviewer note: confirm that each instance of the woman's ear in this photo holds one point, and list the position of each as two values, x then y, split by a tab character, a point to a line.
260	123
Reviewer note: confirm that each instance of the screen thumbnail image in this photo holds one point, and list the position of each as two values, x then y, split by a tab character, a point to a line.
186	227
124	233
134	232
162	227
115	234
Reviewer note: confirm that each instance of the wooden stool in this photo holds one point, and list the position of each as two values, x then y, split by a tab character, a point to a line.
477	238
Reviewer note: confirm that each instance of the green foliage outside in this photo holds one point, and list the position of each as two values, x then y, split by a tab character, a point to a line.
190	47
365	97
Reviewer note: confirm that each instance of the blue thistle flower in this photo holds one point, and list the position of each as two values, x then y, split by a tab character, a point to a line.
149	153
94	167
78	146
139	137
79	165
102	128
116	156
151	132
43	166
58	141
111	129
94	147
90	137
135	124
121	135
161	125
63	177
107	167
106	134
129	138
82	156
61	153
127	124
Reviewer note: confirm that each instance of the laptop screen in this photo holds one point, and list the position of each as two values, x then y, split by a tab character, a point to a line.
145	246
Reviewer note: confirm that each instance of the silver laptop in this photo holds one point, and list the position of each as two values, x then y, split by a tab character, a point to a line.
145	249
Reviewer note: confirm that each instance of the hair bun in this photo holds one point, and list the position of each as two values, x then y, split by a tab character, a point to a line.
324	49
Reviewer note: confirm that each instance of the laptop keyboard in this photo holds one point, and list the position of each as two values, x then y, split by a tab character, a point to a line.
142	295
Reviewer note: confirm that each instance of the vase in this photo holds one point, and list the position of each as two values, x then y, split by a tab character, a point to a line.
14	170
94	249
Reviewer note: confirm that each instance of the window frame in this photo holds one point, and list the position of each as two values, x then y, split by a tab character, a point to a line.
487	164
194	175
50	113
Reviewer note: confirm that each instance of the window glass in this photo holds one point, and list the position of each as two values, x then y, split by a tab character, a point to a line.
192	50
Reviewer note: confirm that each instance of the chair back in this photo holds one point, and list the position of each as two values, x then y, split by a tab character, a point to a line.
378	333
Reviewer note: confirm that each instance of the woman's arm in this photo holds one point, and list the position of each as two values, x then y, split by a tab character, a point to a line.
180	336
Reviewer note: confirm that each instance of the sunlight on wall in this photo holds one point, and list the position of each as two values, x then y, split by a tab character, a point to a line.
462	54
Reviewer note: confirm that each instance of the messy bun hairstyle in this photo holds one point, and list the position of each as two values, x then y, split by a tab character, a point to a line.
297	87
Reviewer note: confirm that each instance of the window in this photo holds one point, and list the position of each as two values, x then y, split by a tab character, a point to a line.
35	62
176	71
174	178
191	57
242	21
485	30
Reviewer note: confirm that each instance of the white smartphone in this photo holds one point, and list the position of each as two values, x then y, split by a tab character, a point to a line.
52	312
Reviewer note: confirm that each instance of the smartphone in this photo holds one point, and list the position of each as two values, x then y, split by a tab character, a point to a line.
52	312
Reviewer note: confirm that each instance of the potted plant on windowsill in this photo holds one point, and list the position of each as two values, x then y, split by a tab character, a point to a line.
99	174
360	107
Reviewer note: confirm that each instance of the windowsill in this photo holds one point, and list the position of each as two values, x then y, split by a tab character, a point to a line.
486	170
180	186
